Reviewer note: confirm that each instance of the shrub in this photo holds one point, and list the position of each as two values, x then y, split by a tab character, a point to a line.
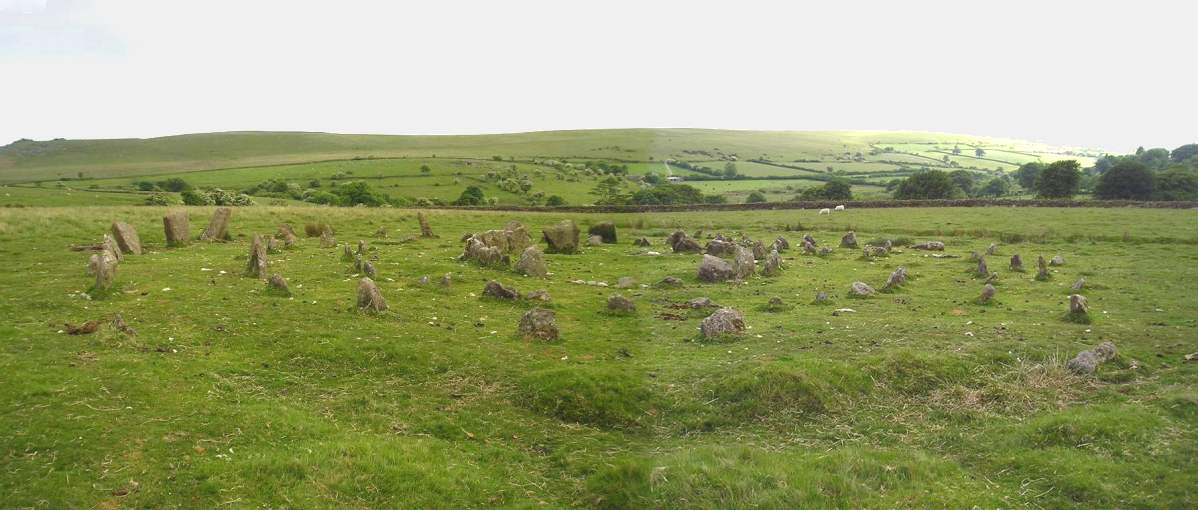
472	195
554	201
928	185
158	199
1127	180
755	197
596	395
1060	179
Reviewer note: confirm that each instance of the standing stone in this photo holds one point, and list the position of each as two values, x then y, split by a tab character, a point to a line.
218	226
714	269
361	247
562	238
1016	263
539	324
993	249
126	238
370	298
256	266
487	256
177	228
860	289
425	230
643	242
380	233
1079	285
496	290
1042	269
773	264
446	280
896	279
605	230
273	245
849	240
287	235
103	266
982	270
1057	261
723	322
109	245
347	253
781	244
759	252
821	297
987	294
422	281
720	248
687	245
618	304
326	239
368	270
119	324
743	264
278	285
532	263
674	237
594	240
808	247
537	295
808	239
1078	305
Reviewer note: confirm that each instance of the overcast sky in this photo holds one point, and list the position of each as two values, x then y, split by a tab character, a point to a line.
1071	73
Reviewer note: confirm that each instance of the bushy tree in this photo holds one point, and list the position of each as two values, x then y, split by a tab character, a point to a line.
1027	174
963	179
1184	153
835	189
995	187
175	184
424	169
193	197
929	185
610	191
1127	180
359	193
554	201
729	170
1177	183
755	197
668	194
472	195
1060	179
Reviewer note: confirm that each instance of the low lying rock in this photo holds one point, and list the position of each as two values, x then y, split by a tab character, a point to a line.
1087	362
595	241
561	238
720	248
532	263
496	290
287	235
722	323
276	284
625	282
987	295
641	241
714	269
537	295
860	289
781	244
1057	261
618	304
605	230
929	246
849	240
671	281
1078	285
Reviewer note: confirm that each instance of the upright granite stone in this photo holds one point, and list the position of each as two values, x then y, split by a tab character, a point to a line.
743	265
287	235
722	323
218	226
987	295
1016	263
773	264
256	265
714	269
538	324
425	230
109	245
177	229
103	266
277	285
1042	269
849	240
562	238
532	263
605	230
370	298
126	238
326	239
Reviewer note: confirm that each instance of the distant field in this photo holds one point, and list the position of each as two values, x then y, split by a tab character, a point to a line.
918	398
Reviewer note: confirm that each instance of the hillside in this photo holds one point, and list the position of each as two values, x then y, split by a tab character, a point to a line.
848	151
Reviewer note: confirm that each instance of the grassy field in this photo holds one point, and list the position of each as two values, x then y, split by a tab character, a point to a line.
228	397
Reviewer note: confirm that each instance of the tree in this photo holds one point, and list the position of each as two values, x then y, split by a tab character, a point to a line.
609	190
755	197
835	189
1177	183
929	185
1027	174
1184	153
729	170
1127	180
1060	179
472	195
979	152
175	184
963	179
424	169
554	201
995	187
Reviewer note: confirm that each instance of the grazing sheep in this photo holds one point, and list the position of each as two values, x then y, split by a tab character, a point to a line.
840	207
825	211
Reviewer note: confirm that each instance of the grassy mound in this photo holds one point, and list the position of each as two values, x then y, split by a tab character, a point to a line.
596	395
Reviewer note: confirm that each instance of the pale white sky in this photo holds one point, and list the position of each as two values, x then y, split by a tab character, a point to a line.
1100	74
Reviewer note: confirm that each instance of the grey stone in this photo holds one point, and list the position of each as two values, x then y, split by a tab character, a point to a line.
743	265
982	270
326	239
687	245
256	265
538	324
594	240
860	289
126	238
446	280
487	256
625	282
671	281
532	263
605	230
369	270
276	283
177	228
1057	261
714	269
723	322
561	238
425	230
773	264
496	290
103	266
370	298
620	305
849	240
1079	284
720	248
781	244
537	295
700	302
1078	305
218	226
929	246
1016	263
287	235
1085	363
987	295
109	245
641	241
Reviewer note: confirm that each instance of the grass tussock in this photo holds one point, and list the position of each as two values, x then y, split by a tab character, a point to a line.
595	395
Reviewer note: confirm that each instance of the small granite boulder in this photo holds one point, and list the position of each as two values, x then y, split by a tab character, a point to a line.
539	324
722	323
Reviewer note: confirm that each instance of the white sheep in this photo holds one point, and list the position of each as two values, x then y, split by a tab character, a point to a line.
825	211
840	207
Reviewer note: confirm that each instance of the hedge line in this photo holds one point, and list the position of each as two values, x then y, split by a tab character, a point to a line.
853	204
